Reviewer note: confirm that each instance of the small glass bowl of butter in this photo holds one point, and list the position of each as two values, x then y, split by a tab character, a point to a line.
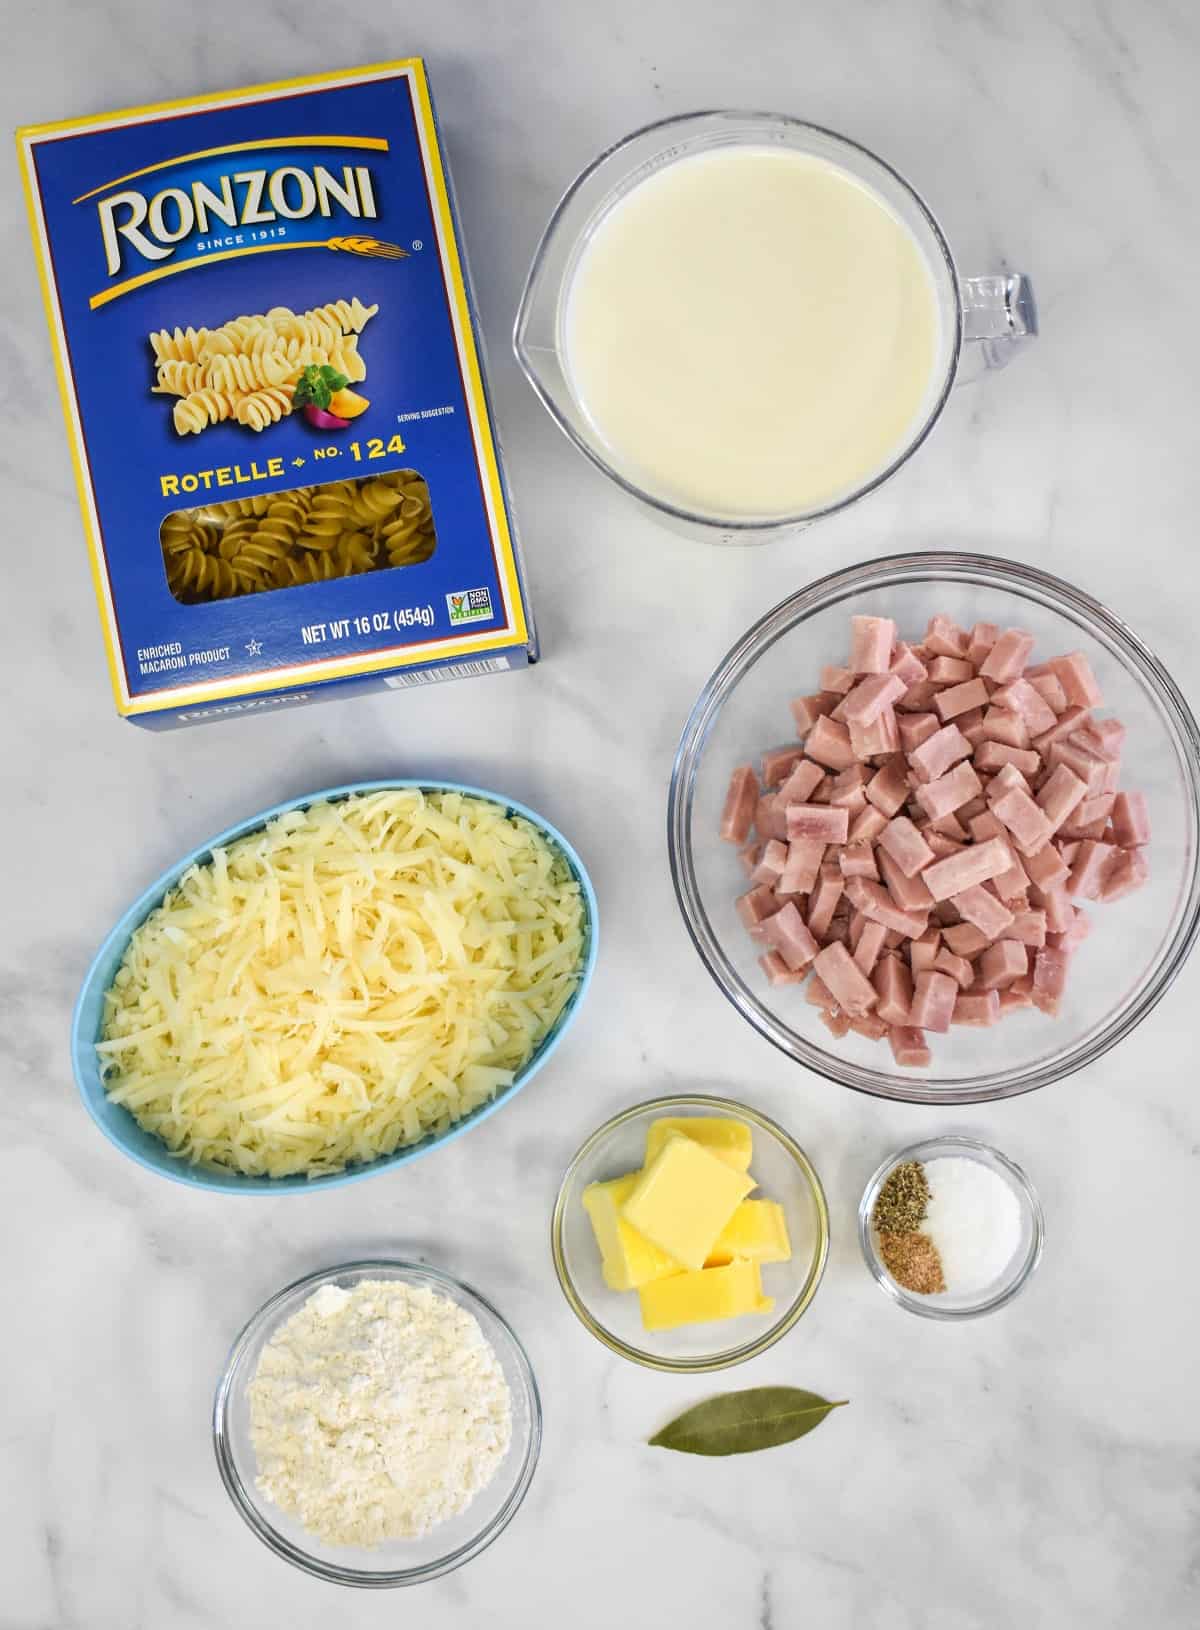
690	1233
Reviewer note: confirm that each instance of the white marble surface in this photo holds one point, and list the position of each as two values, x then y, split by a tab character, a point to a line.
1038	1468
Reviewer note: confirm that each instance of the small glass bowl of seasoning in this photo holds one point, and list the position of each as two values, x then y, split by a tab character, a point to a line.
951	1228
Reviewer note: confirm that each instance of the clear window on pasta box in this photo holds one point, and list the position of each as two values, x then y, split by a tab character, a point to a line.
302	535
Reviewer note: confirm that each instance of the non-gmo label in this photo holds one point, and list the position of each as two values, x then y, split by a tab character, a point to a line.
469	606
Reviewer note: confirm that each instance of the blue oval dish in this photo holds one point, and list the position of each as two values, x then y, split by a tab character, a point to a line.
119	1126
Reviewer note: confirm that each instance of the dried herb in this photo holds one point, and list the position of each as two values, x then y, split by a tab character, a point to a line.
903	1200
913	1261
738	1423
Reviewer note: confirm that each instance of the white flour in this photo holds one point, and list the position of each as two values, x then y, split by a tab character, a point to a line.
377	1413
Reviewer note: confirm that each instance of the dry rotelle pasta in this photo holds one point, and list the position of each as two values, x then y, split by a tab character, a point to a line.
303	535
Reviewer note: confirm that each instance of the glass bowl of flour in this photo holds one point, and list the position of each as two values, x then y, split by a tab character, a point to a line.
377	1424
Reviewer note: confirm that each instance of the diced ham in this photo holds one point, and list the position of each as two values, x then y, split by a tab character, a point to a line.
825	896
1130	819
977	806
870	944
1027	702
934	996
941	844
907	665
964	939
957	699
904	843
770	863
879	906
1001	963
749	857
802	866
950	827
951	670
939	753
770	821
950	791
893	986
871	696
1074	934
836	679
867	825
948	878
836	1022
944	638
977	1008
959	969
971	725
858	860
801	784
779	762
1129	871
871	642
915	728
1058	910
872	740
888	787
1019	994
994	755
737	817
1065	725
918	698
806	710
868	1025
1006	727
1007	658
846	789
1074	674
1088	870
923	951
982	637
818	994
847	984
778	972
756	904
1027	824
909	893
1050	968
1104	737
821	821
908	1046
1047	868
1089	767
1060	793
1029	927
786	933
829	744
985	826
980	907
1049	687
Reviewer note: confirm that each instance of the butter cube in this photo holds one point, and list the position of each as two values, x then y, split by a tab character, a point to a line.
701	1298
684	1198
627	1258
757	1232
730	1141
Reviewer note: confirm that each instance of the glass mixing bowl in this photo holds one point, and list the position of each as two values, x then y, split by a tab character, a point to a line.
1139	944
784	1173
401	1561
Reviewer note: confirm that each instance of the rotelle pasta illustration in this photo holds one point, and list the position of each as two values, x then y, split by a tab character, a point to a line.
305	535
249	368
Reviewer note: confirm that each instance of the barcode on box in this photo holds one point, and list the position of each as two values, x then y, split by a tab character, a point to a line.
452	670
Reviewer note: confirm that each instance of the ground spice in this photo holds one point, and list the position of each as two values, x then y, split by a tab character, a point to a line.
903	1200
913	1261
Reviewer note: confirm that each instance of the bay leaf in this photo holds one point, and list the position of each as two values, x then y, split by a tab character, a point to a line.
738	1423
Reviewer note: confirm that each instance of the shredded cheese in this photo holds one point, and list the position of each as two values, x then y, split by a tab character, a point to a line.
344	982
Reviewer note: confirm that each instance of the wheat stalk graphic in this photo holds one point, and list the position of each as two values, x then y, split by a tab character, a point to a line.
368	246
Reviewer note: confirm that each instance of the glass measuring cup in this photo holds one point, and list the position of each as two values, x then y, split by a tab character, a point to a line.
984	321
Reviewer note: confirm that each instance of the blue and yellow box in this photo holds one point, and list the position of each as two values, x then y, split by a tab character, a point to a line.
274	395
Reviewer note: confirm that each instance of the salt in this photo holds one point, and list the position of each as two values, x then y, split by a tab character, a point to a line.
974	1221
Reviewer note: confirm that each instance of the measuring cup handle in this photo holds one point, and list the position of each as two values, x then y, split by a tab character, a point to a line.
999	319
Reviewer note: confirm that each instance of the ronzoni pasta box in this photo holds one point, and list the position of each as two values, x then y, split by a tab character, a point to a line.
274	396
